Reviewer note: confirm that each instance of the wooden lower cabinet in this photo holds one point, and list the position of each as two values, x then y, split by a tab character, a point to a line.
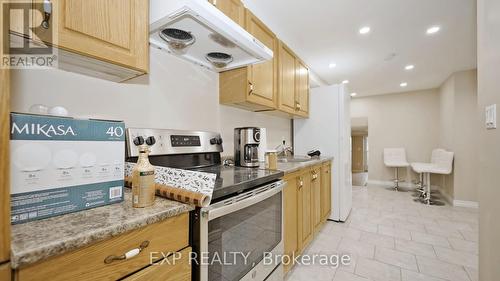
326	191
5	272
174	268
89	263
290	217
316	197
306	206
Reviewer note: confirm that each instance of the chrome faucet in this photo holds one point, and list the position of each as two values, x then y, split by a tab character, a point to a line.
284	150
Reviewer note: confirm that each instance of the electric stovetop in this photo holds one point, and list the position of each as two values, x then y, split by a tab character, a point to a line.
233	180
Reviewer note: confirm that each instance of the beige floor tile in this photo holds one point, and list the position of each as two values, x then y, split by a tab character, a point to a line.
415	276
347	276
394	232
444	231
397	258
345	231
416	248
364	225
457	257
350	246
470	235
441	269
473	273
377	271
312	272
464	245
377	239
434	240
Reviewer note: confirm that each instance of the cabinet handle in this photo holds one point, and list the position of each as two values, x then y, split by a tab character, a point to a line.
47	12
128	255
314	175
301	183
251	87
297	106
214	2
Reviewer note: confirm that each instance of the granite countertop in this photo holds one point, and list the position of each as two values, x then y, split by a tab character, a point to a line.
38	240
290	167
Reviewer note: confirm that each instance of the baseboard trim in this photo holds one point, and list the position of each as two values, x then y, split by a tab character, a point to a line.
466	204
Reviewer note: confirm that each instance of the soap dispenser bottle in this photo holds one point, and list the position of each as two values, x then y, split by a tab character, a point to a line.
143	175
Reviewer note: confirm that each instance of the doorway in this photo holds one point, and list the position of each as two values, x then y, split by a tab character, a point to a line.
359	151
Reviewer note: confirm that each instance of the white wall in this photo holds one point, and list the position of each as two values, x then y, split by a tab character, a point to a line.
489	155
409	120
175	95
459	133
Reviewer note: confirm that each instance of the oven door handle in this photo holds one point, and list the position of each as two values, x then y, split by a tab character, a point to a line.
214	212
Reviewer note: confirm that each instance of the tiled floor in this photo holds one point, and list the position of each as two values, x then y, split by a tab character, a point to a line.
390	237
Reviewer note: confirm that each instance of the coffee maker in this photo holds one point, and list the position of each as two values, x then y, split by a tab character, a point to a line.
246	146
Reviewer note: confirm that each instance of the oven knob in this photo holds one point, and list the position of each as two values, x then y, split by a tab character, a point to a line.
213	141
219	141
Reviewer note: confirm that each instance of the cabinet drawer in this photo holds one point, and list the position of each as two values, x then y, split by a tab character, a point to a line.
174	268
88	263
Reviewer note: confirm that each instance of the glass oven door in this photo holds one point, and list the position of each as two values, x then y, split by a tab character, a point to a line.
240	230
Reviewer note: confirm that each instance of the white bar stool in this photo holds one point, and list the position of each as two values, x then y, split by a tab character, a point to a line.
441	163
395	158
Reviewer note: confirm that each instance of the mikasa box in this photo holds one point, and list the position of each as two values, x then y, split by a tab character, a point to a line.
61	165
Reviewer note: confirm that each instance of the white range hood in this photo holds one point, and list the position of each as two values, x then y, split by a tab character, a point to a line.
197	31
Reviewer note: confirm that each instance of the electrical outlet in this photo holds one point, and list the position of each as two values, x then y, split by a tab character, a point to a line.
491	117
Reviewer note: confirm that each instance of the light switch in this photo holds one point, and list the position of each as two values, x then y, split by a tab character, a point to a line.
491	117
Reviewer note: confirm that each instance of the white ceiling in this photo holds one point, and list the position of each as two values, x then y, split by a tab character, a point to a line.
325	31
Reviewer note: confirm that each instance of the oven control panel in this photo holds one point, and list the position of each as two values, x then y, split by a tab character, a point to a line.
177	140
174	141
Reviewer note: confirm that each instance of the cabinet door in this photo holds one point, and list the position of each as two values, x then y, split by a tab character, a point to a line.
4	151
316	197
176	267
115	31
5	272
302	81
286	74
234	9
262	76
290	214
326	199
305	225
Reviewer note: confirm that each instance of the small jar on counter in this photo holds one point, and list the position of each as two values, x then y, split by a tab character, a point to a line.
272	159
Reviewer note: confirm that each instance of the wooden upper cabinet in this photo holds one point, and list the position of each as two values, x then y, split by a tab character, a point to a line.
302	93
263	75
253	87
234	9
114	32
286	79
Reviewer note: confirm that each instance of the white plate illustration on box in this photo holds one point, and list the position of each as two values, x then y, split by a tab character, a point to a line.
87	160
31	157
65	159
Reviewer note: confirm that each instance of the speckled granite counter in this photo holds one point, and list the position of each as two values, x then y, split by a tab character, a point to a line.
37	240
290	167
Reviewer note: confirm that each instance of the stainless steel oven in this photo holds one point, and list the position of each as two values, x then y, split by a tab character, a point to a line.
240	231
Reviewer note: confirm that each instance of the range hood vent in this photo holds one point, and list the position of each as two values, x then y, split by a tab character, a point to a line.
197	31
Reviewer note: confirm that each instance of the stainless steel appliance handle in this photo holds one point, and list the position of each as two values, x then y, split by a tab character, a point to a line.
243	200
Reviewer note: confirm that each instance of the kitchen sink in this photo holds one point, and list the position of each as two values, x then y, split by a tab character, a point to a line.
293	160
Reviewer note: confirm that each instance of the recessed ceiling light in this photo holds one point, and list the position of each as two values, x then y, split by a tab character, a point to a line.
345	82
433	29
364	30
404	84
353	94
332	65
409	67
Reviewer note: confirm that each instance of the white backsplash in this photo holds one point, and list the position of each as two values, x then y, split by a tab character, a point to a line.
175	95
